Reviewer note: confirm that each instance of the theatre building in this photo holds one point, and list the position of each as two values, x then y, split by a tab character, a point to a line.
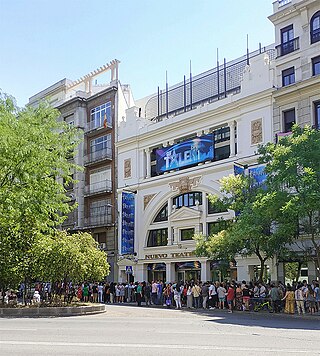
173	148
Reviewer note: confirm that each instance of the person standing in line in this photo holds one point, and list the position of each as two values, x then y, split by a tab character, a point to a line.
205	295
189	297
275	298
100	293
317	295
138	293
112	292
85	293
196	295
239	300
177	295
230	297
298	294
154	292
311	300
221	295
289	298
212	296
147	294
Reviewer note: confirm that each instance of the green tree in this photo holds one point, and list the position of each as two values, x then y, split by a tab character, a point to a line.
33	170
65	257
258	228
293	166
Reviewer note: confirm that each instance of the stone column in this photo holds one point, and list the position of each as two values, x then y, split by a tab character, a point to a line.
169	222
232	138
204	213
169	272
148	159
175	235
143	164
205	270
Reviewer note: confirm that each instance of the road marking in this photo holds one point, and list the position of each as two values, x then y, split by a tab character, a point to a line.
155	346
15	329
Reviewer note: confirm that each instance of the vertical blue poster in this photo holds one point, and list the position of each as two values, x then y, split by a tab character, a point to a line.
127	228
259	176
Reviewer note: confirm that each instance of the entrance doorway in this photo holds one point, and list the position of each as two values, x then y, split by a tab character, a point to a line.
188	275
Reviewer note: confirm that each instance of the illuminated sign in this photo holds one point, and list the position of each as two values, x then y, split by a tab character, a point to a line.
127	232
185	153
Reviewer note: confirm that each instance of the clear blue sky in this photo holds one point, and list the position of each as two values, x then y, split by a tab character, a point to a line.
43	41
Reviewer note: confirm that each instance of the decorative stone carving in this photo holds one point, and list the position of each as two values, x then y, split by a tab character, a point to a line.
147	199
256	131
185	184
127	168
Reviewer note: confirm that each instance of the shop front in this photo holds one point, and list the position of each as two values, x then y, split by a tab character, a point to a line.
156	271
188	271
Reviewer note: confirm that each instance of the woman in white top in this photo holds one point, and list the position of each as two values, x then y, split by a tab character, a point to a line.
189	297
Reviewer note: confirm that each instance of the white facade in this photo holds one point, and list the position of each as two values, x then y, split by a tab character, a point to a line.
247	114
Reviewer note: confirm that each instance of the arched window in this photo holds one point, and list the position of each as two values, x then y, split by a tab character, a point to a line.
188	199
315	27
162	215
157	237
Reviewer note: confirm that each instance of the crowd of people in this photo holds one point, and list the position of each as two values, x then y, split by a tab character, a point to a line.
276	297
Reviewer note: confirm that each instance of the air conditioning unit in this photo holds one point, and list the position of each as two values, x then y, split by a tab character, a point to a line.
102	246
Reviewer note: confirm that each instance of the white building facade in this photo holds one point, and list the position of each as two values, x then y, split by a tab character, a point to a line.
225	114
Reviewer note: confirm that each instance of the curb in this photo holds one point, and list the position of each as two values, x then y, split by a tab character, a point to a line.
51	311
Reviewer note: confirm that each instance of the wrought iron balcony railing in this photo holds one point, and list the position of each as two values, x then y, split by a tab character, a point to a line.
98	187
287	47
98	220
96	156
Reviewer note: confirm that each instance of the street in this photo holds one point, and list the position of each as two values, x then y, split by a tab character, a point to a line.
127	329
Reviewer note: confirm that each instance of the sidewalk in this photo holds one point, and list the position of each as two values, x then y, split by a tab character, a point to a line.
217	312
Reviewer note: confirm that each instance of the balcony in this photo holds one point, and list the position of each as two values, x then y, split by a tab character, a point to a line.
98	187
96	125
98	156
315	35
287	47
98	220
72	221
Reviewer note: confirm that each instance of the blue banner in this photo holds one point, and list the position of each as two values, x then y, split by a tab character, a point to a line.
238	170
185	154
259	176
127	231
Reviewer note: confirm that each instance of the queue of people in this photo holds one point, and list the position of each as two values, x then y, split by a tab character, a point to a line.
298	298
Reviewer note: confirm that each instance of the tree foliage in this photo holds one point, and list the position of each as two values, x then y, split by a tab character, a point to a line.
293	168
259	228
65	257
33	172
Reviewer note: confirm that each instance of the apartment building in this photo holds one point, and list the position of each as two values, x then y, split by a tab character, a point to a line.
296	98
94	104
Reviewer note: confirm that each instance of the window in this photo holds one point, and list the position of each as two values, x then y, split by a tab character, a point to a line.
289	119
222	134
288	76
100	143
97	115
221	153
188	199
317	114
315	27
157	237
217	226
287	34
316	65
288	42
186	234
162	215
100	208
100	180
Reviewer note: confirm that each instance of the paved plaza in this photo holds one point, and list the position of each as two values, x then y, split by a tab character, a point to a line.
125	330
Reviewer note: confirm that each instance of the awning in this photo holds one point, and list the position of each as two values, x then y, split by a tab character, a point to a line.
188	265
156	267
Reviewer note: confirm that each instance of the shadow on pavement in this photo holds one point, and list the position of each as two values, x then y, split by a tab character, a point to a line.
265	320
